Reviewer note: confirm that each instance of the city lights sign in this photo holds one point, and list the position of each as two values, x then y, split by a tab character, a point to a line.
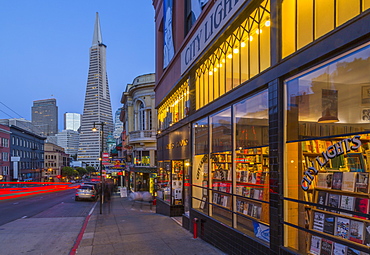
215	20
333	151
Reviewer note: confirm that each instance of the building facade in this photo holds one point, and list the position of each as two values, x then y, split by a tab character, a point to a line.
118	125
4	153
69	140
55	160
262	114
72	121
27	155
97	105
45	116
139	147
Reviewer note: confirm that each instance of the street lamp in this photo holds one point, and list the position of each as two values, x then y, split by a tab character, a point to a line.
101	124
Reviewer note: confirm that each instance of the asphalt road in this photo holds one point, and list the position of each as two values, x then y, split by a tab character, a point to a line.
41	224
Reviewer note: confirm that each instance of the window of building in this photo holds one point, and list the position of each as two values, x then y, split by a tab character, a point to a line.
175	108
244	54
327	154
231	177
142	158
303	21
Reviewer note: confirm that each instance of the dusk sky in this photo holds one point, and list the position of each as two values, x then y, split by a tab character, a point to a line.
45	44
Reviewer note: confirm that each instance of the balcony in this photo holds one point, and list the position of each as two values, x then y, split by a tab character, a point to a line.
142	136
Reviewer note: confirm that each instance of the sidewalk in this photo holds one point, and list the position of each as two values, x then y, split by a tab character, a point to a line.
121	230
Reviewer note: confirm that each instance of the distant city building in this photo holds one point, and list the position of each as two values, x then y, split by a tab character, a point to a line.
72	121
97	105
4	153
52	139
55	160
118	125
69	140
45	116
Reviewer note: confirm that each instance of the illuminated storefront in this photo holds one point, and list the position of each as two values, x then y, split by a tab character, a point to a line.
271	96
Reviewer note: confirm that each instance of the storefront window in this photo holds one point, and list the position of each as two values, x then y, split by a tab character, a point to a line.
221	166
163	185
177	181
200	166
327	156
252	162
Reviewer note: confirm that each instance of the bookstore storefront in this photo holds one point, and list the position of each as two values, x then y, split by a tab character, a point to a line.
327	157
173	173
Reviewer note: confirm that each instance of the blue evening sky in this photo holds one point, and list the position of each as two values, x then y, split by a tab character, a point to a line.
44	50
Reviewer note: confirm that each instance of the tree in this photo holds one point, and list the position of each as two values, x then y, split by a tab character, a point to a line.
90	169
81	171
69	171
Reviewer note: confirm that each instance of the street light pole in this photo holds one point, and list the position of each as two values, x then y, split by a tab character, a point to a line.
101	161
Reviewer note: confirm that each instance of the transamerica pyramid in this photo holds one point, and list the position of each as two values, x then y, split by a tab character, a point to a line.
97	105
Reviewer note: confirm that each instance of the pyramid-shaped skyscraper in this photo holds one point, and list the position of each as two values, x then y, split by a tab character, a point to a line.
97	105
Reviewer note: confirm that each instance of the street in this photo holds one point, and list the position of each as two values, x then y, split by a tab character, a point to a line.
42	224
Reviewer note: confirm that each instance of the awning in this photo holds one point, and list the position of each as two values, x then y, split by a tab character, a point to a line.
143	169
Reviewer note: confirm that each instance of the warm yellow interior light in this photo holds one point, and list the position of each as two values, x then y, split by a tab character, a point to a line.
223	60
236	50
242	44
215	69
267	23
230	56
250	38
210	73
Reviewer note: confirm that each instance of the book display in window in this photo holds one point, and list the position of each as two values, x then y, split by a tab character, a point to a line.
252	182
340	191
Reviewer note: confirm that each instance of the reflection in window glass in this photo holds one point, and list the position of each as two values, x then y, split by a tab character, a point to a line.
328	116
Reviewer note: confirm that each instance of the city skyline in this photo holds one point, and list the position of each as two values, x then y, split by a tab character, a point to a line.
47	47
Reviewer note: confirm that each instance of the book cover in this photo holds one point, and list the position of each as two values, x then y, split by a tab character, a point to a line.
342	229
362	206
367	234
247	191
245	209
324	180
347	203
337	180
339	249
321	199
349	181
329	224
315	245
333	201
318	221
326	247
362	182
356	232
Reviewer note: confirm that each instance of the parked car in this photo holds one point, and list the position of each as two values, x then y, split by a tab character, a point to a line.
86	192
95	184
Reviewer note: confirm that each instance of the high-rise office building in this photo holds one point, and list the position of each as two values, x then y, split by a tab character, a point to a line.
72	121
97	106
45	116
69	140
118	125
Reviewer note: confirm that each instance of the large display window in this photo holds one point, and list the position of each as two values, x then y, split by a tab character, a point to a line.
231	175
327	157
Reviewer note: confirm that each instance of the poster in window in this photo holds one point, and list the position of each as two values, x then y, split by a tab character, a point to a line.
365	97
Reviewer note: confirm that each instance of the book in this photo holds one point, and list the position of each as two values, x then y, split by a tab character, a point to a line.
337	180
315	245
321	199
326	247
349	181
342	227
324	180
318	221
333	201
329	224
356	232
362	182
356	162
347	203
339	249
362	206
367	234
